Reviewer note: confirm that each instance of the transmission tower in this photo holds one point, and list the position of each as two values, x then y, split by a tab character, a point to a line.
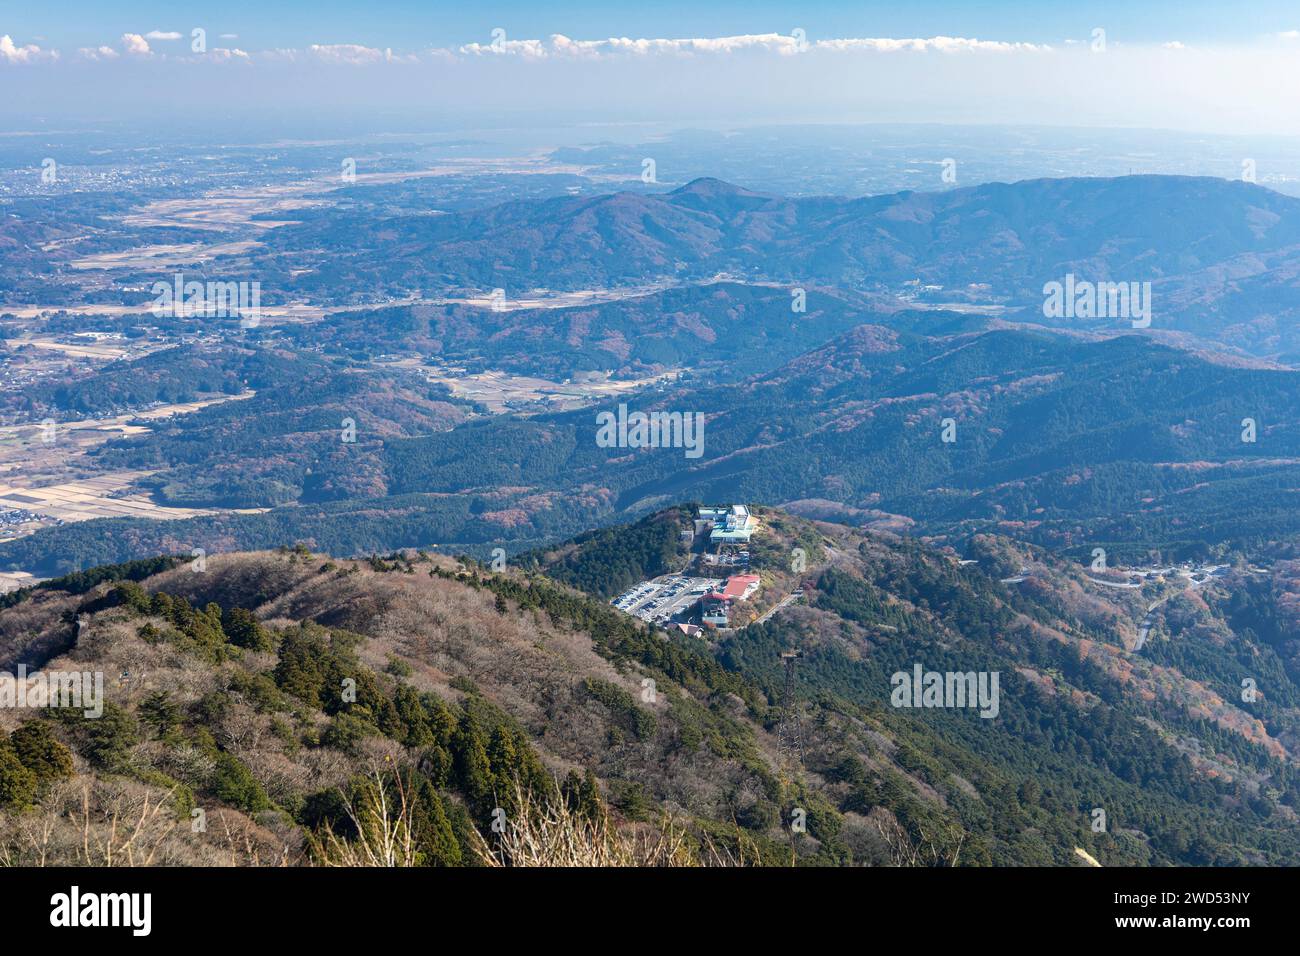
789	733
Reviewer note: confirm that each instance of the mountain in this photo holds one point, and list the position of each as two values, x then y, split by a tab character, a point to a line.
723	329
281	693
1071	441
236	698
1221	255
290	441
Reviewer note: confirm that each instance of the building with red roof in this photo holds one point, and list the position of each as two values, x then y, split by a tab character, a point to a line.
717	603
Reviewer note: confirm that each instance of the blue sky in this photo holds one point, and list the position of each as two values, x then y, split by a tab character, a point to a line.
400	24
1201	66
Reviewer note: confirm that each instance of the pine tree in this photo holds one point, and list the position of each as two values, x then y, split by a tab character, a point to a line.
473	768
433	832
161	713
243	629
41	752
17	783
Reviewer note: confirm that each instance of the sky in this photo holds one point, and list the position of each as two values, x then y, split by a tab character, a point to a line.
1212	67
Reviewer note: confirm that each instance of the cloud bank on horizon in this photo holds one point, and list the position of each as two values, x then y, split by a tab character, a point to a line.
559	45
1093	80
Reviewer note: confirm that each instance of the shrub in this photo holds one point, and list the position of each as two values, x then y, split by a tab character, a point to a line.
108	739
243	629
17	783
234	784
41	752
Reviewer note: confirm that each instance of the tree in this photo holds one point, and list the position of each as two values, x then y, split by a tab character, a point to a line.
473	769
434	837
300	671
233	783
243	629
583	795
41	752
346	731
161	713
412	717
17	783
109	739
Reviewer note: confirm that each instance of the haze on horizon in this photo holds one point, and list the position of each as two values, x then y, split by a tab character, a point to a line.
524	66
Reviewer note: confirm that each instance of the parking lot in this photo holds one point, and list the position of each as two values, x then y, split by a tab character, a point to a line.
660	600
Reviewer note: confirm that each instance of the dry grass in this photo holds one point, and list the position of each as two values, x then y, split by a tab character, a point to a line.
383	822
120	823
906	851
549	833
541	833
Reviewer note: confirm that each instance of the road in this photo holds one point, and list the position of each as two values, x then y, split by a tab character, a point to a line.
784	602
1148	622
1208	572
1114	584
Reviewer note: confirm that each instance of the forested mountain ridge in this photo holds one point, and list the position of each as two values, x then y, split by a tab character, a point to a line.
227	691
1077	649
726	330
1222	256
1071	441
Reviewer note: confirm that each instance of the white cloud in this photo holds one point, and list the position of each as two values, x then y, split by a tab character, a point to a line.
1174	45
938	44
560	45
222	53
135	44
354	54
532	48
162	35
763	41
97	53
228	36
10	52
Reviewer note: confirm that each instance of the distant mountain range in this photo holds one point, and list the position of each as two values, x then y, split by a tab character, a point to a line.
1223	257
1095	435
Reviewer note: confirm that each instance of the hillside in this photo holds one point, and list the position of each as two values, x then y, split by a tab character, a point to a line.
723	329
461	692
1221	255
1070	441
264	687
1093	707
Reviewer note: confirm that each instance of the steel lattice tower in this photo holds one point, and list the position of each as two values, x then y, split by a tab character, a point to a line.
789	733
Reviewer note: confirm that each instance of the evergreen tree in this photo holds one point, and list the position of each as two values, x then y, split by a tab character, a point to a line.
243	629
41	752
161	713
432	829
17	783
